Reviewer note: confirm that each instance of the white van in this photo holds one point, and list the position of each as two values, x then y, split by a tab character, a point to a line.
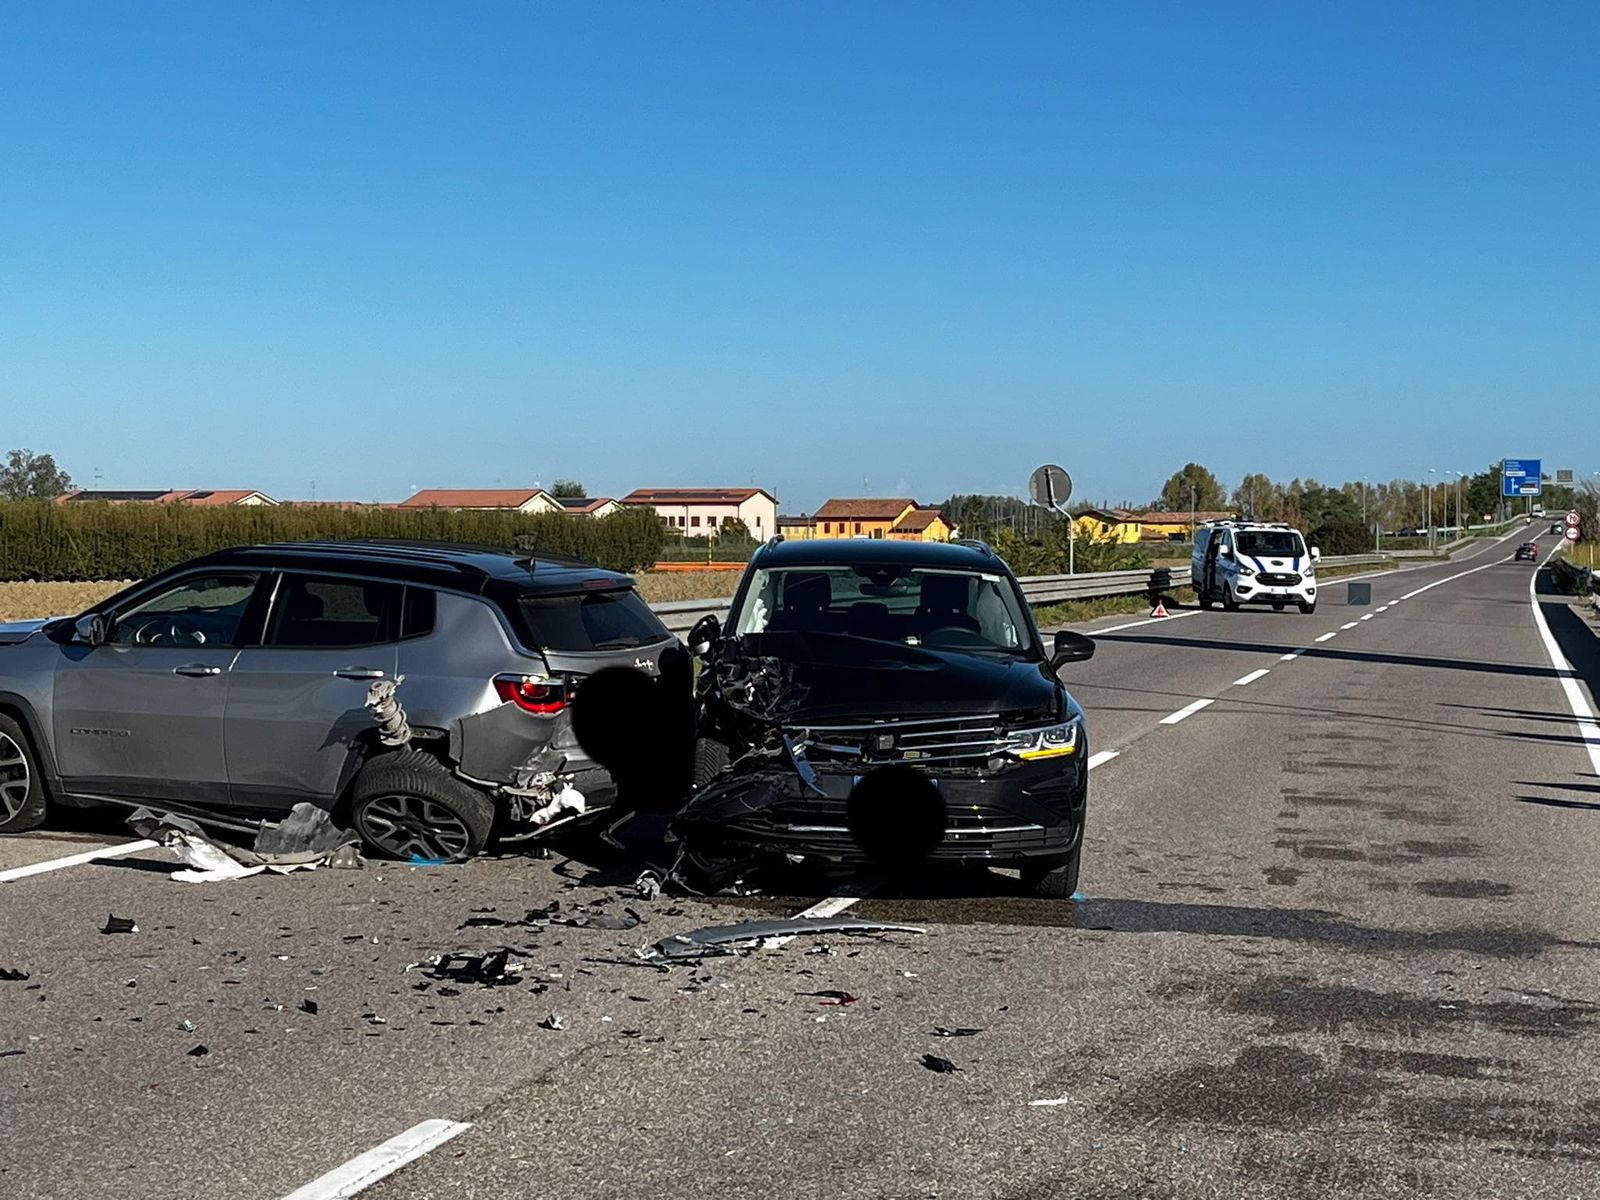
1253	562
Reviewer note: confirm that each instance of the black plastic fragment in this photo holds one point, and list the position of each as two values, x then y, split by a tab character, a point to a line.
116	924
200	1051
308	1006
942	1065
958	1031
12	975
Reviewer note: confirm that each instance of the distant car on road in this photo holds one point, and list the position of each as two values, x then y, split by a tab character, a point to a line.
1529	551
243	682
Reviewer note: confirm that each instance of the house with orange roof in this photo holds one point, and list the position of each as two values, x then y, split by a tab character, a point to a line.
524	500
220	498
702	511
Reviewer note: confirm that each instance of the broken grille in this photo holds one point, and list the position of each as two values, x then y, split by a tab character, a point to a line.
967	740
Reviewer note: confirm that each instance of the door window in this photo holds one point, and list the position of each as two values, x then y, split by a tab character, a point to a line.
201	610
328	612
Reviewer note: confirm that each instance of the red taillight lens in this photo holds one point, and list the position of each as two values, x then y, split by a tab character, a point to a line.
532	694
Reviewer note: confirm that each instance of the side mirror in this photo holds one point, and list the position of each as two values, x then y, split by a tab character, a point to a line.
705	634
91	629
1315	554
1070	647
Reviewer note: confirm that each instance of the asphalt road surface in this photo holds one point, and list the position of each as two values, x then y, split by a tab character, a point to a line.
1338	937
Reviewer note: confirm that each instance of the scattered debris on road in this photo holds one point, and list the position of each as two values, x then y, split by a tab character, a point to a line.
305	839
722	939
200	1051
1050	1103
942	1065
554	1021
833	996
958	1031
12	975
116	924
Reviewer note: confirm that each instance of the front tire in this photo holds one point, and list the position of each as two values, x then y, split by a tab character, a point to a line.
1228	600
711	759
1054	881
22	794
405	804
1308	607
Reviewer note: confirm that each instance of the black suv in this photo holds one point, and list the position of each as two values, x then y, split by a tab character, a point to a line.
424	687
890	702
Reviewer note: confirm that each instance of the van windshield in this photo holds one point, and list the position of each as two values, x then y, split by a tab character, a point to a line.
1283	542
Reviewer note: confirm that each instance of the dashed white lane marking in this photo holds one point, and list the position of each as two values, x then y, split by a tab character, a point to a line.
1100	757
1368	616
1188	710
366	1169
1450	578
1326	636
75	860
1383	608
1348	625
1588	729
1245	680
1292	655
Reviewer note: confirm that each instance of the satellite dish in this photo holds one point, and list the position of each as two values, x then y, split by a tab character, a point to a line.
1050	486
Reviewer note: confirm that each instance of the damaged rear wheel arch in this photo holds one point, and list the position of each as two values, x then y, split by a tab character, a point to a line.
405	803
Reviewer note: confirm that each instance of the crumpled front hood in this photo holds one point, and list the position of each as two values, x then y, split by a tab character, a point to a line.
794	679
13	632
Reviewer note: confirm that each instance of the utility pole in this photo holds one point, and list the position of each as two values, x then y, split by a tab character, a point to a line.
1193	493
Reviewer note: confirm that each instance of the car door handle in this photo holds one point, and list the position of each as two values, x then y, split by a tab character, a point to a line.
359	673
198	670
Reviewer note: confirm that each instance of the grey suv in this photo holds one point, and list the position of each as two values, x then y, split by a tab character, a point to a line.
243	682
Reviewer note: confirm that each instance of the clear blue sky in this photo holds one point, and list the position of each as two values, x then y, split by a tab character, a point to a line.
929	245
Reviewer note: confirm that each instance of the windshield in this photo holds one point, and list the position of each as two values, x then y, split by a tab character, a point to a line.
1256	542
939	609
610	620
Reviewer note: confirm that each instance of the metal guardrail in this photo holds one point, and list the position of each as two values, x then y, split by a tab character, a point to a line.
680	615
1570	577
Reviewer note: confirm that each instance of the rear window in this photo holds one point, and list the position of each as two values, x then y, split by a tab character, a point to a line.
609	620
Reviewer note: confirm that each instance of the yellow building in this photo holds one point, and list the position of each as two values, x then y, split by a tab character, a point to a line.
1106	525
921	525
894	519
1174	526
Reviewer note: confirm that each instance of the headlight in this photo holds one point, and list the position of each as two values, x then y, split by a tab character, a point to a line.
1049	741
1245	572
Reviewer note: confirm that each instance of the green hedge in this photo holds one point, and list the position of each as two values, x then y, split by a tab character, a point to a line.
66	542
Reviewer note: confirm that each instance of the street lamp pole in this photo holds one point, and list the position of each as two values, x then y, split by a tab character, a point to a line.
1432	471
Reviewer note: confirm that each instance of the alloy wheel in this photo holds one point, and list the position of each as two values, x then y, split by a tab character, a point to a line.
16	780
405	825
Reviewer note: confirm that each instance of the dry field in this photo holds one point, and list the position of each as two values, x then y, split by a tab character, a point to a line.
21	600
660	586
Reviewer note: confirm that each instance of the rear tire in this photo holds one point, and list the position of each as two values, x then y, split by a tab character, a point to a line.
1054	881
406	804
22	795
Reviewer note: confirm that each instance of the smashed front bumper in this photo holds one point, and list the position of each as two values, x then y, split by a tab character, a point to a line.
1028	812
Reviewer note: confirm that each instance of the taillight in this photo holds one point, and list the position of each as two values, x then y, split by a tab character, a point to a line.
532	693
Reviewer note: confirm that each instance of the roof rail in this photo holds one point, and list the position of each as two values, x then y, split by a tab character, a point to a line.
975	544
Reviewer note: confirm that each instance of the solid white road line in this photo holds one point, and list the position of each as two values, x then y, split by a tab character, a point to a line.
74	860
1100	757
1348	625
1177	616
366	1169
1245	680
1326	636
1188	710
1292	655
1576	700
